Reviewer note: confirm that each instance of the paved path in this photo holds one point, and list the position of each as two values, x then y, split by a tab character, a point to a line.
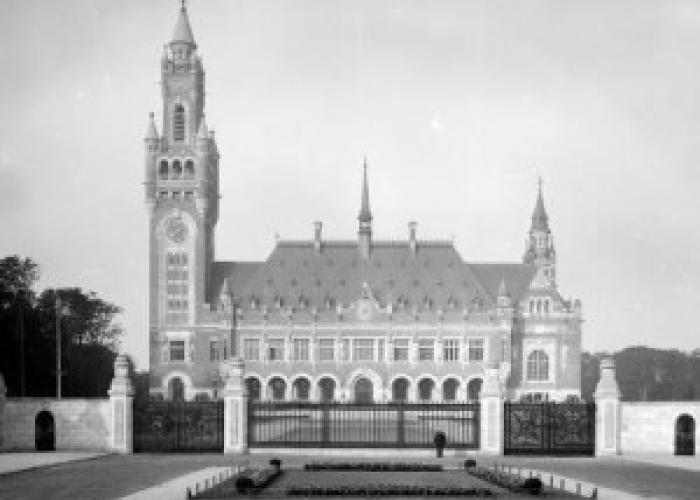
116	476
13	462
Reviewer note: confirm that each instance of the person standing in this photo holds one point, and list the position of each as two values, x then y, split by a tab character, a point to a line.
439	441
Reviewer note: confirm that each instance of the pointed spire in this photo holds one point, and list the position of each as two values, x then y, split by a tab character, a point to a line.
539	215
503	289
183	31
203	132
365	213
152	131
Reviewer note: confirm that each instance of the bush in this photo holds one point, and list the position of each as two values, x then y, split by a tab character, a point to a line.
532	485
469	464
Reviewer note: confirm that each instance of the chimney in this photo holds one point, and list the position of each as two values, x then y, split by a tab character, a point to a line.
412	236
318	227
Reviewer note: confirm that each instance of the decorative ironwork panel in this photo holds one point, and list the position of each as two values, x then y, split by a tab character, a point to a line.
170	426
361	425
549	428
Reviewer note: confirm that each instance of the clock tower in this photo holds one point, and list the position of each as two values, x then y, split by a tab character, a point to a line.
182	195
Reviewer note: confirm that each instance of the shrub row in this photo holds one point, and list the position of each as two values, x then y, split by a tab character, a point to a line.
388	490
374	466
511	482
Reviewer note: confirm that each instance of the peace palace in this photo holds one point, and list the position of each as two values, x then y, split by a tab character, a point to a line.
352	320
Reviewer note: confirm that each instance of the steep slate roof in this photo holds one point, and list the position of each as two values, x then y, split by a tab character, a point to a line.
296	272
516	276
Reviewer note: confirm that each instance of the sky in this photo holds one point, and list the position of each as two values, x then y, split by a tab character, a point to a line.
459	106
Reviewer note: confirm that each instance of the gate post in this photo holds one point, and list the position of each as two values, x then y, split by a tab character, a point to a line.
121	402
491	418
3	392
235	409
607	415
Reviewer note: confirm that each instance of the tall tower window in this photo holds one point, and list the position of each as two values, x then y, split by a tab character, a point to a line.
163	170
189	169
538	366
177	169
179	123
177	286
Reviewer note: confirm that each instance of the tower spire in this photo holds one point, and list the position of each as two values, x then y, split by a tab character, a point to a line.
365	213
365	217
539	215
540	251
183	32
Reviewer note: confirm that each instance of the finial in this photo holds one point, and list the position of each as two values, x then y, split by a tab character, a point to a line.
539	184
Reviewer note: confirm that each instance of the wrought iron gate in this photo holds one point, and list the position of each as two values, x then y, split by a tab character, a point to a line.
549	429
182	426
360	425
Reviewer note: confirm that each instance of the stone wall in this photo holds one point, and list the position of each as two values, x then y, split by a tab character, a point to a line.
79	424
651	427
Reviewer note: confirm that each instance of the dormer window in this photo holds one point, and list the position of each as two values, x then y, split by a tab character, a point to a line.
179	123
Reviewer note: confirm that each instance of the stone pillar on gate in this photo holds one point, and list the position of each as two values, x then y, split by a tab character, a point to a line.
235	408
3	393
121	403
491	422
607	411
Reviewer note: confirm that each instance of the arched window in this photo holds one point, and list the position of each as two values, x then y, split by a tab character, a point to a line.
539	307
537	365
327	386
252	385
449	389
474	389
177	169
425	389
546	306
399	389
278	388
189	169
363	391
301	389
163	170
179	123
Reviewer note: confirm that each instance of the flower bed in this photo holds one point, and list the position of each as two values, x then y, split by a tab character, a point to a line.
511	482
388	490
250	481
374	466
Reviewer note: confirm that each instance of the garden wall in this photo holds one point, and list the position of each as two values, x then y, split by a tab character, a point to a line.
650	427
79	424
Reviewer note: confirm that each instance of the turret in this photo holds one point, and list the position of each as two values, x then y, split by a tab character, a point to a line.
540	251
364	232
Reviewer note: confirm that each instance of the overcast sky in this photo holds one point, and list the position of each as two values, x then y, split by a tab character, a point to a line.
459	106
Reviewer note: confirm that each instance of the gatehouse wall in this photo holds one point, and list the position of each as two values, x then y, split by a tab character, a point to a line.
79	424
650	427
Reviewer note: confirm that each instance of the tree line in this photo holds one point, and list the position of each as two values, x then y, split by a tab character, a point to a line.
646	374
30	323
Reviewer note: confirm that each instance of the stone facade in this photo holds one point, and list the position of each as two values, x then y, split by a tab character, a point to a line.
650	427
80	424
352	319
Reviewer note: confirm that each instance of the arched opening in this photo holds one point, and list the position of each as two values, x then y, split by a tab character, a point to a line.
474	389
425	389
179	123
44	432
449	389
176	389
252	386
327	386
189	169
363	390
537	365
685	435
278	389
163	170
399	389
177	169
301	388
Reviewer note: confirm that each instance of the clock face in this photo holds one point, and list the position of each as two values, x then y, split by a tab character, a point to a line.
176	230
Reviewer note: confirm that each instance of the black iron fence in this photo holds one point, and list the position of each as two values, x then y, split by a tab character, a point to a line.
549	429
360	425
179	426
